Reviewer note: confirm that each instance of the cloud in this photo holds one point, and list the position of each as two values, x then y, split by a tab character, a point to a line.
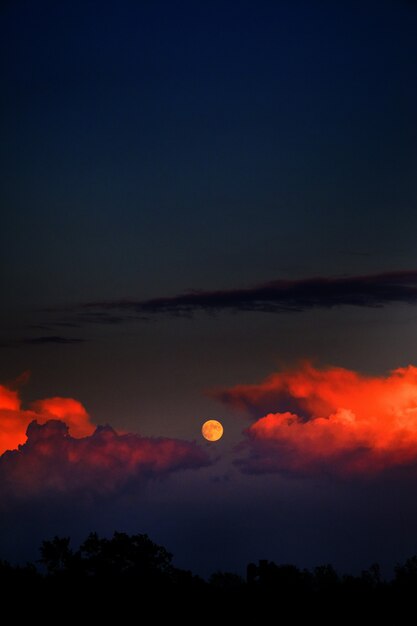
330	420
44	340
52	339
278	296
53	461
70	411
374	290
14	420
54	447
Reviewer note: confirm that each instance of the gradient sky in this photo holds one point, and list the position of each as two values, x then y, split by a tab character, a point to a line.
152	148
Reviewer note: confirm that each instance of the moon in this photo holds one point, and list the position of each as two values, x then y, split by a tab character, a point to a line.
212	430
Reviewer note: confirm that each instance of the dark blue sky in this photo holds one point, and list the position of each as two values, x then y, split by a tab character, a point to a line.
152	147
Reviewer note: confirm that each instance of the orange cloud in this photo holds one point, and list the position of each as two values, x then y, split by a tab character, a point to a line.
68	410
332	419
14	420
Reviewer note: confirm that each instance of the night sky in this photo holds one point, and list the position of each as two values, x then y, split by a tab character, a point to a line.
209	210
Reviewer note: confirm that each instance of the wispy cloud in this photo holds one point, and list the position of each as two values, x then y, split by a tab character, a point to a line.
52	339
374	290
41	341
278	296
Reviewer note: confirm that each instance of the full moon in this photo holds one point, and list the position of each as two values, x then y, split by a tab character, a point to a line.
212	430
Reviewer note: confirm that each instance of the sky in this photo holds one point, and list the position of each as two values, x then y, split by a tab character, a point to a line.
209	211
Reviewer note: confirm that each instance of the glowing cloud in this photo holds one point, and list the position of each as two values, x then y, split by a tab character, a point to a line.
14	420
53	461
332	420
70	411
54	447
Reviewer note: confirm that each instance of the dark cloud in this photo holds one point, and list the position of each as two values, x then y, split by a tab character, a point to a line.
48	328
52	461
326	292
277	296
52	339
41	341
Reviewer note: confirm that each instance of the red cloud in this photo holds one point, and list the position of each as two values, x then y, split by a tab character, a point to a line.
14	420
70	411
52	460
332	419
55	455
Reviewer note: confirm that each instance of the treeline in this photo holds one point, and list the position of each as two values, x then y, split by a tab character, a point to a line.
134	568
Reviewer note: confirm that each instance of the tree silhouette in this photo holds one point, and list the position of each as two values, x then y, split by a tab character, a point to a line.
226	581
124	556
56	555
119	569
406	575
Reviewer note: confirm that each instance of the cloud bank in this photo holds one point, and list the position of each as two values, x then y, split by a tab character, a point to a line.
53	461
54	447
329	420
